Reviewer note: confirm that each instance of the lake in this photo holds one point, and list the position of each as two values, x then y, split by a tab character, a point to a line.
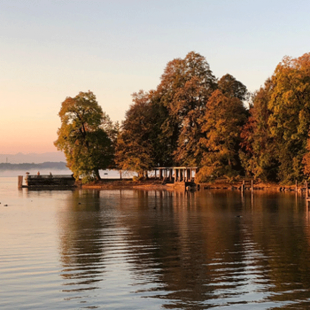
136	249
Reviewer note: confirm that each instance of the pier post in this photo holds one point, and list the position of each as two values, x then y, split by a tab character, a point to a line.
242	187
252	186
306	186
296	186
20	181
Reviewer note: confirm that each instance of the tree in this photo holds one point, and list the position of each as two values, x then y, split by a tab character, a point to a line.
185	88
231	87
84	136
258	148
163	127
306	159
290	115
134	150
141	144
224	119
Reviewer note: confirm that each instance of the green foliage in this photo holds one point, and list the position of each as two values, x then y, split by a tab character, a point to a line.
84	136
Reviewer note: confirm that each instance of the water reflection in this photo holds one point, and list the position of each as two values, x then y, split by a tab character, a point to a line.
187	248
184	250
82	254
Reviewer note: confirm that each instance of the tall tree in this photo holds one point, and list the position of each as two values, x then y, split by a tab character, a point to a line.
185	88
231	87
83	137
224	119
140	145
258	148
290	114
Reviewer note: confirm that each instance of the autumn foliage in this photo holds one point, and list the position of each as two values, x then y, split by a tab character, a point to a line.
217	125
194	119
190	119
86	136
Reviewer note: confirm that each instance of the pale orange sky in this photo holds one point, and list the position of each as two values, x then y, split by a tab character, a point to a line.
54	49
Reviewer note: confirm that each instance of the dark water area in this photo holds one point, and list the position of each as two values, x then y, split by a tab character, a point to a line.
136	249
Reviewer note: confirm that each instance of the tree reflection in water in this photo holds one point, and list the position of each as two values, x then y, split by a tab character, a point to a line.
186	250
82	254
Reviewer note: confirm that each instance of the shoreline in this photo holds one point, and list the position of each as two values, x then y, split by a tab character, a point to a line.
124	184
153	184
256	187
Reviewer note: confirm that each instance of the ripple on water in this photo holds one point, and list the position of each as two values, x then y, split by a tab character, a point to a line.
115	251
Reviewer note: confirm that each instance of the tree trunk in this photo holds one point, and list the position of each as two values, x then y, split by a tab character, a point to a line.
97	174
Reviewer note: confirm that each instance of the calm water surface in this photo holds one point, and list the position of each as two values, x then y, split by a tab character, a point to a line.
135	249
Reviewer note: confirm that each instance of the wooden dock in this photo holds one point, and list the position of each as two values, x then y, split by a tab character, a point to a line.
47	181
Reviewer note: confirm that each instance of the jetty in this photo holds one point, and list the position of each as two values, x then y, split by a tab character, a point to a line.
47	181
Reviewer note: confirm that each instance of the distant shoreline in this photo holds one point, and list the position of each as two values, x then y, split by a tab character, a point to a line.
29	166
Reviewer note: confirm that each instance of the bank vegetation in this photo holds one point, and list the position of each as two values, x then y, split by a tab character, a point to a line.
193	118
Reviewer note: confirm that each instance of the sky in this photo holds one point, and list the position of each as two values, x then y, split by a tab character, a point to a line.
53	49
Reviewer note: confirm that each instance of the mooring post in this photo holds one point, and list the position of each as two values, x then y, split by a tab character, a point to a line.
20	181
296	186
252	185
306	186
242	187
